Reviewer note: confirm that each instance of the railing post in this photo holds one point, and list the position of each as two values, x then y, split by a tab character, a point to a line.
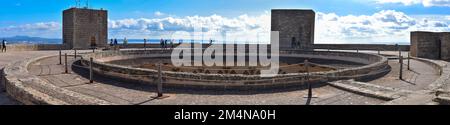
308	82
399	54
401	68
75	53
60	54
91	73
409	60
65	63
160	82
145	44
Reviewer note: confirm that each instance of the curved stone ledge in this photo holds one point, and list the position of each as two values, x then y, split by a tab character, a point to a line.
31	90
376	66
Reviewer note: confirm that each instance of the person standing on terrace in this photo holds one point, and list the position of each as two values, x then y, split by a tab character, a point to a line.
162	43
115	44
165	44
3	45
125	42
145	43
111	44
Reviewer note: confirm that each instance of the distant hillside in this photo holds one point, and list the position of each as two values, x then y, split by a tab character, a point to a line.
31	40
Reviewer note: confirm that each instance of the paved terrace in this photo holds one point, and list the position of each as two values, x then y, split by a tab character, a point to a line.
132	94
9	57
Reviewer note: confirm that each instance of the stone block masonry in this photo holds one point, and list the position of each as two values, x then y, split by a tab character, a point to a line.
85	27
430	45
296	28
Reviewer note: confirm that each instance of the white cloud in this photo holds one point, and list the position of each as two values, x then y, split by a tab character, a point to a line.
426	3
387	26
235	28
42	29
42	26
158	13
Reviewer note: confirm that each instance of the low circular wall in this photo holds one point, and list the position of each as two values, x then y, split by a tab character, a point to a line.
375	66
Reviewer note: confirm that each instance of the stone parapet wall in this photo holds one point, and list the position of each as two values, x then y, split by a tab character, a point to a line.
33	47
376	47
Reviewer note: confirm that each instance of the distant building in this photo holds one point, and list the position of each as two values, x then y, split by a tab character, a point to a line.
430	45
296	28
84	28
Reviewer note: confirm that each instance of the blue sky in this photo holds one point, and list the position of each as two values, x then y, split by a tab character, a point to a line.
356	20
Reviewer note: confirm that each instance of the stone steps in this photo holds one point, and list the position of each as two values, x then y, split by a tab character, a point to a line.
332	100
442	97
371	90
442	100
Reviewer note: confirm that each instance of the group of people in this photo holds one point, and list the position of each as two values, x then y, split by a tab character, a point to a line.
114	44
167	43
164	43
3	45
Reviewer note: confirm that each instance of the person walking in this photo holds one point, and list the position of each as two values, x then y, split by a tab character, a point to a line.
161	42
145	43
125	42
111	43
115	44
165	44
3	45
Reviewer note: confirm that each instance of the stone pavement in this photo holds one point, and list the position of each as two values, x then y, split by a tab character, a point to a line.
9	57
419	77
6	58
137	94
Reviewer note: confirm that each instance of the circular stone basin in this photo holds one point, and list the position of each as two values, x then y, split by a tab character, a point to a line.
287	66
139	66
251	70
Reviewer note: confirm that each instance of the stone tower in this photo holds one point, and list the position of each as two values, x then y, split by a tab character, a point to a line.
84	28
296	28
430	45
